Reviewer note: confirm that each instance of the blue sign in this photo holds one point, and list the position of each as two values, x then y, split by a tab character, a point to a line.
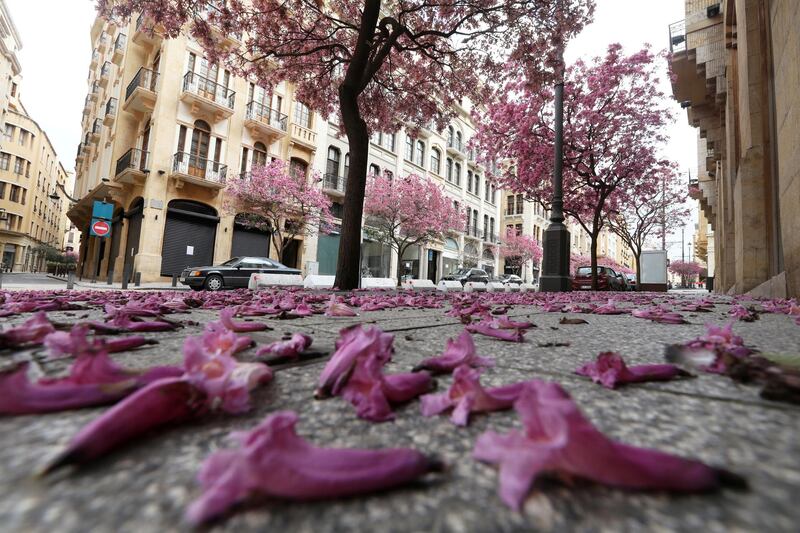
102	210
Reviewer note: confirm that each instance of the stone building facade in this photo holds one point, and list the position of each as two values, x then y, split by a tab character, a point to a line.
163	130
736	70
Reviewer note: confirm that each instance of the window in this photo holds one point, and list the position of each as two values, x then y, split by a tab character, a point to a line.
409	148
493	198
259	154
374	170
519	204
420	160
485	225
19	165
24	192
450	135
388	141
4	161
486	191
14	196
458	141
469	180
457	174
243	167
302	115
519	229
388	174
491	227
27	169
334	157
449	169
23	137
510	205
469	215
9	133
298	167
436	161
13	89
377	138
346	165
2	190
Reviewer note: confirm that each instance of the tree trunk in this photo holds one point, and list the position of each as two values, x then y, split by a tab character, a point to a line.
593	262
638	258
348	264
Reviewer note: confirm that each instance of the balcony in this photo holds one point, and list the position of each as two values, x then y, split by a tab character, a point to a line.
473	232
265	122
200	171
105	74
102	43
455	146
97	129
131	166
334	184
94	92
81	156
677	36
110	112
119	48
140	96
146	32
490	237
95	60
206	97
87	104
304	136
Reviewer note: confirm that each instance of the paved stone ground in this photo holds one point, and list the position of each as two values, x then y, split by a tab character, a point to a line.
147	485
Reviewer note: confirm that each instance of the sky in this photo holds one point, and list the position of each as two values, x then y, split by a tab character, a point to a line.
56	52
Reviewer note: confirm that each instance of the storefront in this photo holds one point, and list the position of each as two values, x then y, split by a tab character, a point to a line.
450	259
375	260
487	261
409	264
470	255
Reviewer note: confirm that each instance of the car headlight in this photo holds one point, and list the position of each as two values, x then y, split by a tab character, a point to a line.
195	273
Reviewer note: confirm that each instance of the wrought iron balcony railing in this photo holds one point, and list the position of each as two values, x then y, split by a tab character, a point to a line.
260	112
199	167
677	36
144	78
334	182
202	86
133	159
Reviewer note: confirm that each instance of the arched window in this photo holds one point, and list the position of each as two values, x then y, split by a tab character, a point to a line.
436	161
450	136
420	153
298	168
388	174
449	169
409	148
374	170
334	156
477	185
457	174
199	148
259	154
346	164
458	141
485	225
469	180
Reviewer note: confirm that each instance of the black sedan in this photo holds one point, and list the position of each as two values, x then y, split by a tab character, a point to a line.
233	273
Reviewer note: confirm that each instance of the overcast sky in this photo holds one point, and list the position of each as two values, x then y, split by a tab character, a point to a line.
56	52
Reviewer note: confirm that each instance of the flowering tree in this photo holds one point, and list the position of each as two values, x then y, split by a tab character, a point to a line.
614	118
656	209
380	64
519	250
687	270
407	212
273	200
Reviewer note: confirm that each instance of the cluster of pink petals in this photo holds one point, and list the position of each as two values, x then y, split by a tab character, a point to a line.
355	372
712	352
77	342
336	307
609	308
660	315
288	349
490	328
460	351
466	395
226	318
610	371
742	313
274	461
32	332
558	439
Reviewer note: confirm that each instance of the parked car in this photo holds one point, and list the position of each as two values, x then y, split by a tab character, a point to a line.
607	279
624	281
233	273
632	281
505	279
468	274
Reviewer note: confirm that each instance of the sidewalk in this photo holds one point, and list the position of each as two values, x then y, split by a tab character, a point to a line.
103	285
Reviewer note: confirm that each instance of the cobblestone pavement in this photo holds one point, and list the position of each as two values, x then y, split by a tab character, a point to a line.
147	485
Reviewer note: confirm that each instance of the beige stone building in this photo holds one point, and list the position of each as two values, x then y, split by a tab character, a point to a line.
29	170
736	65
163	130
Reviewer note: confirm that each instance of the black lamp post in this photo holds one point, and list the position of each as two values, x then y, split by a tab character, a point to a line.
555	259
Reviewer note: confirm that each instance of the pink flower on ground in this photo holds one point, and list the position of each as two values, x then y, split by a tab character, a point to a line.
354	342
226	318
656	314
76	342
487	328
557	438
713	352
609	308
273	460
503	322
610	370
288	349
742	313
32	331
466	395
338	308
460	351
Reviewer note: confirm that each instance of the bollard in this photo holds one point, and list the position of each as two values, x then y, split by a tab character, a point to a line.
70	280
175	280
1	278
137	279
126	276
110	277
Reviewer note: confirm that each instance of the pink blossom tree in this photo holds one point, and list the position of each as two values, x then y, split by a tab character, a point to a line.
687	270
614	119
273	200
379	65
411	211
655	209
519	250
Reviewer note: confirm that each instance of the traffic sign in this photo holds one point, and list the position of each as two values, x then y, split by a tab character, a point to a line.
100	228
102	210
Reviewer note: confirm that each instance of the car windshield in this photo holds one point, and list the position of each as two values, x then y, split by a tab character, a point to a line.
461	272
232	261
587	271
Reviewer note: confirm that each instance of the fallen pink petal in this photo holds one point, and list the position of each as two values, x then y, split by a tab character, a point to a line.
288	349
226	318
466	395
557	439
336	307
274	461
354	343
459	351
610	371
32	331
486	328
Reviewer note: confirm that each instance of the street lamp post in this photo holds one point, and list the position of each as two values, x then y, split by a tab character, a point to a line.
556	239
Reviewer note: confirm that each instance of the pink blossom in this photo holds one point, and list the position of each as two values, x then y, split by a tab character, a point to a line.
657	314
32	331
742	313
460	351
466	395
288	349
226	318
488	329
354	343
273	460
610	371
338	308
557	438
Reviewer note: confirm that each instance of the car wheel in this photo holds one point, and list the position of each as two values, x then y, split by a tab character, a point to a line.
214	282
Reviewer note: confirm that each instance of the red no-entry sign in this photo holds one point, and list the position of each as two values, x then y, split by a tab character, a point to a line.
100	228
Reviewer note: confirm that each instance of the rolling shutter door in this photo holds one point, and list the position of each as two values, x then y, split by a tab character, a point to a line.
249	242
188	241
132	245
